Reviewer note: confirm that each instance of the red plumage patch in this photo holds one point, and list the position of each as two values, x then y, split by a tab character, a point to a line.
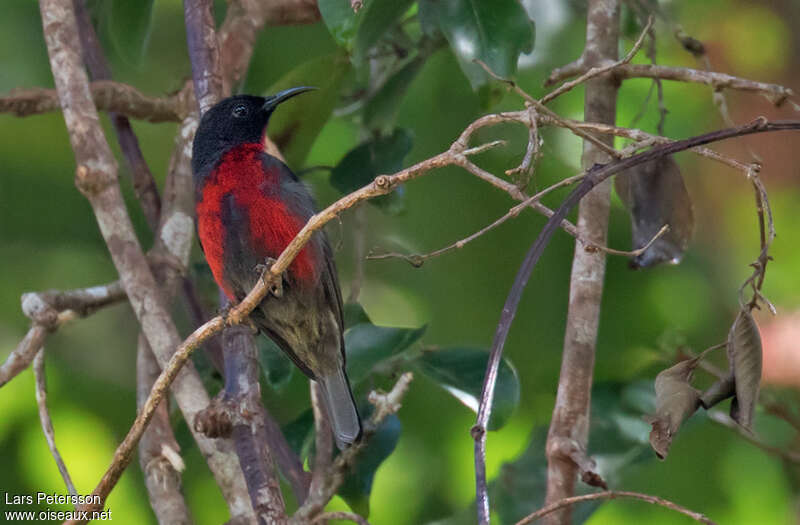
241	173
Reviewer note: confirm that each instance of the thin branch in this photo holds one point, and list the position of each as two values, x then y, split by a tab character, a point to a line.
323	449
385	405
614	494
340	515
159	452
49	310
144	184
777	94
726	421
597	71
47	423
107	95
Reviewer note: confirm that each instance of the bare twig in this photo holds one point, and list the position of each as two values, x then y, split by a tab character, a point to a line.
107	95
159	452
340	515
47	423
777	94
49	310
597	71
613	494
323	449
726	421
143	183
385	405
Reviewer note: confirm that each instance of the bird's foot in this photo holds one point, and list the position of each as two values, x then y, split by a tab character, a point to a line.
276	288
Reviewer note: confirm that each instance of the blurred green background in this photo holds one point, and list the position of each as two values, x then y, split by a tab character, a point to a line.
49	239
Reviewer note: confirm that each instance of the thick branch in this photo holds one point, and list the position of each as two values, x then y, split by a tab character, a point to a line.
96	177
570	420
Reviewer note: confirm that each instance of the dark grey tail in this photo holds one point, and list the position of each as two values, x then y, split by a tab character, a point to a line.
341	408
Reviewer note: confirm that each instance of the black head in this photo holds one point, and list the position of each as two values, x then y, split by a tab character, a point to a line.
234	121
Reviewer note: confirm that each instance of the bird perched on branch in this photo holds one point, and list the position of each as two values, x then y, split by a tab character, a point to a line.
249	207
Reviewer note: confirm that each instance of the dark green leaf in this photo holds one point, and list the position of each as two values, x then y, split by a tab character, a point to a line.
381	110
676	401
295	125
376	18
129	27
655	194
358	482
744	355
340	19
275	364
367	345
354	314
383	155
494	32
300	433
460	371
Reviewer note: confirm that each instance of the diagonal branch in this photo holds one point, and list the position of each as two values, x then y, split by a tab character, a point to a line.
96	178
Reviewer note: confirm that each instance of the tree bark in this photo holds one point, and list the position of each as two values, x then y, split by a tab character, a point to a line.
569	428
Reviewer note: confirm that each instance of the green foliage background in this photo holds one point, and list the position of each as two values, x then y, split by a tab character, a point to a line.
49	239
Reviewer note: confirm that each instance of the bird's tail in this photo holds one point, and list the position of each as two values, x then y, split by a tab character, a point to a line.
341	407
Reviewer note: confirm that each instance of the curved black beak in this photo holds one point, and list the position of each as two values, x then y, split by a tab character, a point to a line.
272	101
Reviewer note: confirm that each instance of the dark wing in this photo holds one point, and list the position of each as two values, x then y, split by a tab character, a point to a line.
297	196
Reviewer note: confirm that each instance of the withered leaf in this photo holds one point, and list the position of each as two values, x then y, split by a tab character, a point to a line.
744	356
655	195
676	401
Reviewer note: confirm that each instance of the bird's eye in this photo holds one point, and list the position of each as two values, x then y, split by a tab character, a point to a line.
239	110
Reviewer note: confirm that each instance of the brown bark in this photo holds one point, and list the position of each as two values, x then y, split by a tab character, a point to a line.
569	427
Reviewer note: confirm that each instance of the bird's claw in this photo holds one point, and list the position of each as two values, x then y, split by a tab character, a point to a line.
276	288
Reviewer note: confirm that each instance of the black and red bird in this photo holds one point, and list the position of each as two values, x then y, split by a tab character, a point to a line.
249	207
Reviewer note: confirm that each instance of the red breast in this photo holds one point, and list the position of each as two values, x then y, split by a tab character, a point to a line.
256	191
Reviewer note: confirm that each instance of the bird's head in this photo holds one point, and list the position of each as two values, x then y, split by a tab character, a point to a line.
233	121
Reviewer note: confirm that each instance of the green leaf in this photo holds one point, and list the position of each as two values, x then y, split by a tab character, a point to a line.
744	356
358	482
275	364
377	17
383	155
129	26
354	314
341	21
460	371
300	433
295	126
381	110
494	32
367	345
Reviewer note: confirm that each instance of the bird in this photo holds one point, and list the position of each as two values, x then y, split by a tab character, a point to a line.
249	207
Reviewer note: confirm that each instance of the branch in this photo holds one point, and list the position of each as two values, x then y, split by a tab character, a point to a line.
96	178
159	452
777	94
201	38
47	423
385	405
143	183
613	494
571	414
243	395
49	310
107	95
339	515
